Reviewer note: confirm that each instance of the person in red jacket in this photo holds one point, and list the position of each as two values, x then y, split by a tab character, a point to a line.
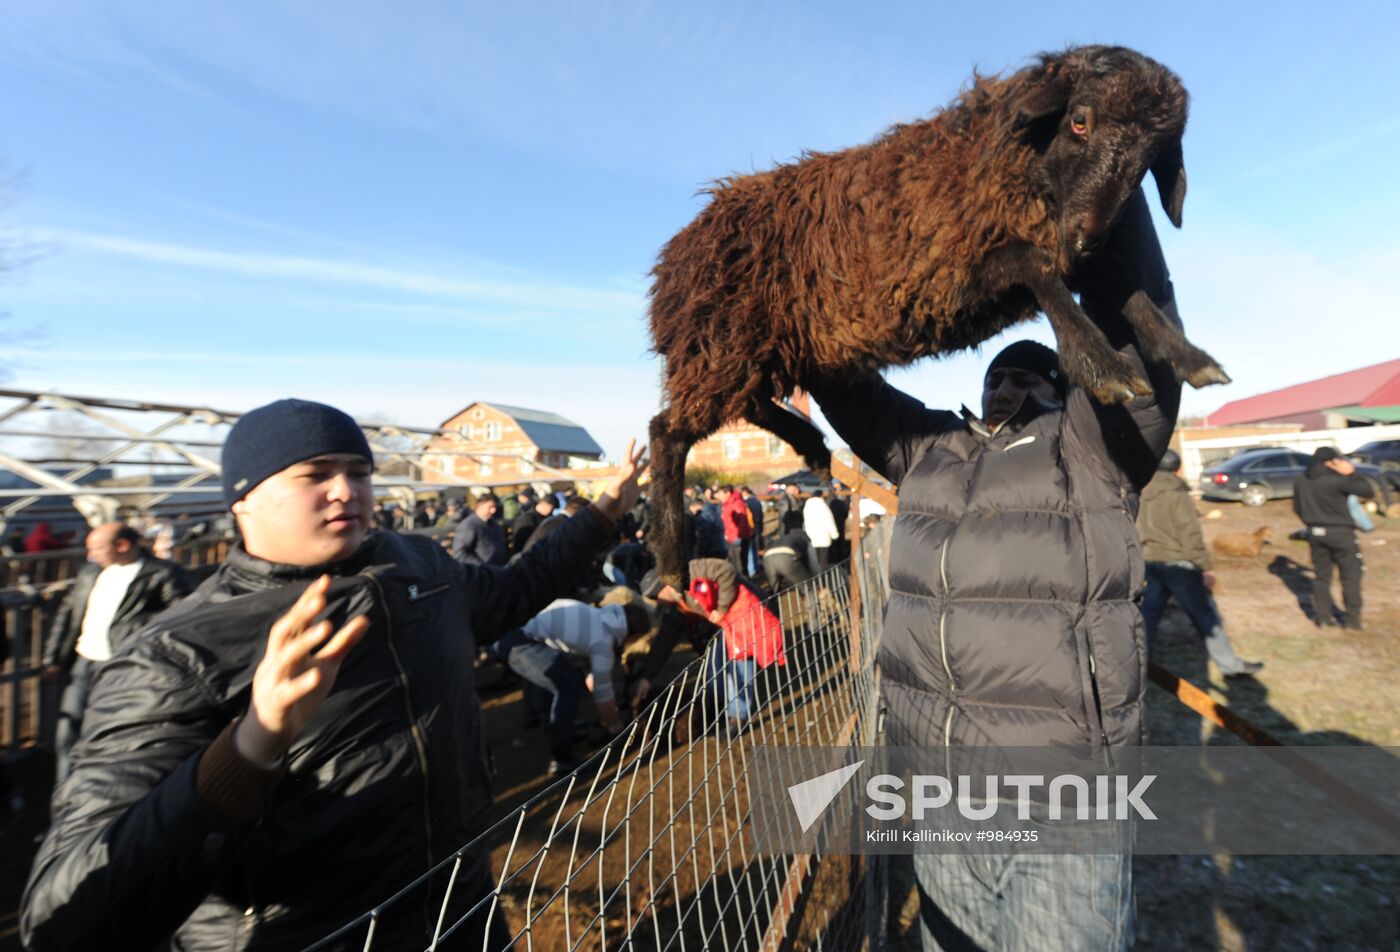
752	636
42	539
738	528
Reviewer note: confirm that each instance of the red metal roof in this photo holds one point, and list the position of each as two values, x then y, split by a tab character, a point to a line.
1374	386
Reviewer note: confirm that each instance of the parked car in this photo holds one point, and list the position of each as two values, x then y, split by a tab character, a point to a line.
1382	454
804	479
1253	477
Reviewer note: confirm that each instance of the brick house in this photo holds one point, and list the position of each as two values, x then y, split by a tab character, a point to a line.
741	447
512	443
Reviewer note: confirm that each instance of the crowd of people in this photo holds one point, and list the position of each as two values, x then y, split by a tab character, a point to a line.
201	724
555	593
253	761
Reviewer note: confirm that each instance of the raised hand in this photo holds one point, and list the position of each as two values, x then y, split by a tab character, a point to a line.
293	677
625	488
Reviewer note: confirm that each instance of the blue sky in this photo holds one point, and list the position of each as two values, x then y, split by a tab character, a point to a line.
404	208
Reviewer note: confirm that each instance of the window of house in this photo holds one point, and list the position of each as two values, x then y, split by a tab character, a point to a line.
478	413
775	446
468	431
486	469
493	431
731	448
526	468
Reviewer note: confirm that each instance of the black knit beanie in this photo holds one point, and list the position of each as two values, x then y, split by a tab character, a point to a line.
267	440
1034	357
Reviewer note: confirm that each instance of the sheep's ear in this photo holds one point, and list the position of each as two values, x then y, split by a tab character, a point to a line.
1170	172
1047	101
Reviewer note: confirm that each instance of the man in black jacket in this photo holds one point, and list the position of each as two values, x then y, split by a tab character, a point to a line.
119	590
1014	578
301	737
1320	500
479	538
528	521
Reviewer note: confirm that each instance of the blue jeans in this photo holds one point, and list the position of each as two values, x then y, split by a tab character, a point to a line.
1025	902
1186	583
550	671
732	680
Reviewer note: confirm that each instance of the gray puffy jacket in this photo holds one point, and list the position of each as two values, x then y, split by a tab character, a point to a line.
1015	570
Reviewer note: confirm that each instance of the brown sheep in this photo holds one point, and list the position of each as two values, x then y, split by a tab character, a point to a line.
929	240
1246	544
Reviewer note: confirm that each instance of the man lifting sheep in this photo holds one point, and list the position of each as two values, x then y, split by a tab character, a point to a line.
1013	618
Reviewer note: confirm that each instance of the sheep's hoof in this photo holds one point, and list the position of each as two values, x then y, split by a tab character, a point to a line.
1114	380
1206	375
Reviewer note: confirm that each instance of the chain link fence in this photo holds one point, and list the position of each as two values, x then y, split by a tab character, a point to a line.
649	844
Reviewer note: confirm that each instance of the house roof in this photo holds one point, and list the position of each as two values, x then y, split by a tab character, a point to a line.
1389	414
1369	387
549	431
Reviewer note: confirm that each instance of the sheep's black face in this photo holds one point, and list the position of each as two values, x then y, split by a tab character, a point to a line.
1112	115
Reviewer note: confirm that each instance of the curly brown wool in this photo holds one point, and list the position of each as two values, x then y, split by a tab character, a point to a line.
929	240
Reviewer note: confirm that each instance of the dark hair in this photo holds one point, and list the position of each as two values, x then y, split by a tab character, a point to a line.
127	534
486	497
575	504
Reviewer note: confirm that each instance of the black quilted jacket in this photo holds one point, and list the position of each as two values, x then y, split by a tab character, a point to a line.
390	777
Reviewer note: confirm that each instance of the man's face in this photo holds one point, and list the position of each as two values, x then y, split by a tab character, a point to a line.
1006	387
1341	466
791	490
103	549
486	509
311	513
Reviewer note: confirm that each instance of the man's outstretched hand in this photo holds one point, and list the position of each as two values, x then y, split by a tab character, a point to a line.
625	488
293	678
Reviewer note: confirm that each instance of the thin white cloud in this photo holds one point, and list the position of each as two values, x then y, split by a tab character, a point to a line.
552	297
313	360
614	403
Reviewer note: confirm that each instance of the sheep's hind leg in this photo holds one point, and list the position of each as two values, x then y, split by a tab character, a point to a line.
668	451
793	430
1086	356
1160	339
